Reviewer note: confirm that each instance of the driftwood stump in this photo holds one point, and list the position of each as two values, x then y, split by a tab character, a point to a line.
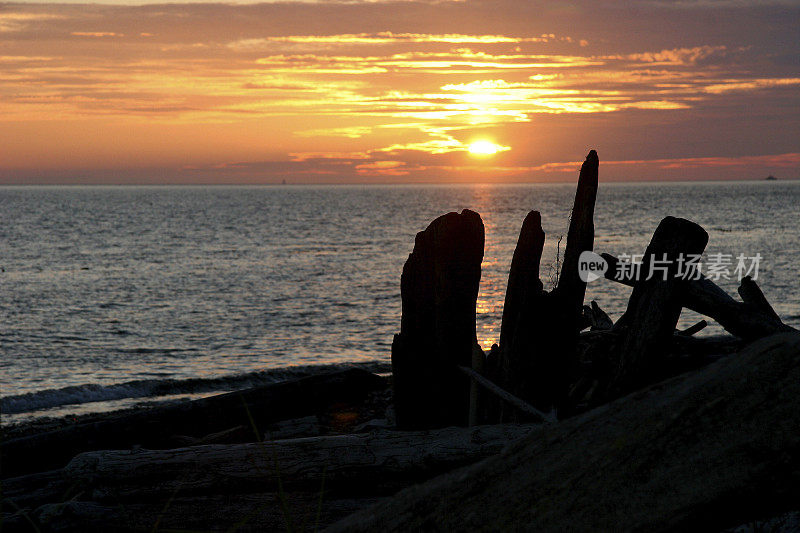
571	288
656	302
538	338
439	288
522	316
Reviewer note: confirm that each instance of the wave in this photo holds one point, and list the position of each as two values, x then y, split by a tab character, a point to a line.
154	388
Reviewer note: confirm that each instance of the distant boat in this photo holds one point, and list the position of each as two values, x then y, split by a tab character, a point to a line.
770	178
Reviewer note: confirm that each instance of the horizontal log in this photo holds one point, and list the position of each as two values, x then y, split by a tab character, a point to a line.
363	464
257	512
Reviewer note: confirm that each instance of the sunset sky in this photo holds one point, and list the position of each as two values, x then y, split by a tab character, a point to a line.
414	91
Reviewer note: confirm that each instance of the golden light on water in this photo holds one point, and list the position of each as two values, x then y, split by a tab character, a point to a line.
485	148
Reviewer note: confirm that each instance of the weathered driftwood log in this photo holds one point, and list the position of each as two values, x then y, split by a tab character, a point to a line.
571	288
523	316
538	338
524	286
243	513
156	428
751	294
510	399
439	288
476	396
596	318
703	296
694	328
372	464
597	357
567	297
656	302
702	451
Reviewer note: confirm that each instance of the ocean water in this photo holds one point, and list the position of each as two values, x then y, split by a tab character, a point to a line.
114	295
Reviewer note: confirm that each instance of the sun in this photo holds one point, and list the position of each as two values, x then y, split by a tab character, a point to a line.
485	148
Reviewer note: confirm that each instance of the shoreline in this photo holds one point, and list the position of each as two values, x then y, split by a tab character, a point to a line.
127	394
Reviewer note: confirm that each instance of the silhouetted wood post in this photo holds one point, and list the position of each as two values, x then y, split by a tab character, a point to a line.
571	288
521	328
523	276
439	288
656	301
538	337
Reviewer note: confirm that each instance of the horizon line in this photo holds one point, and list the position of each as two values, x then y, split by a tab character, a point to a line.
393	183
390	183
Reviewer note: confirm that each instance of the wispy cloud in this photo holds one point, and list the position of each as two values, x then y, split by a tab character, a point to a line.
675	56
17	21
388	37
96	34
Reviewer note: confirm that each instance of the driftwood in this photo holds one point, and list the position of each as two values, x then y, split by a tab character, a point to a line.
349	466
517	365
158	427
523	276
655	303
694	328
506	397
743	319
243	513
373	463
751	294
595	318
703	451
476	397
566	306
538	339
439	288
571	288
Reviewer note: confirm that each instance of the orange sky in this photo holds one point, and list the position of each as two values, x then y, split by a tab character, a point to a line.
415	91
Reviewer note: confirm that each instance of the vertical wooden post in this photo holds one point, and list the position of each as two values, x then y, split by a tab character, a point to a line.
439	289
478	359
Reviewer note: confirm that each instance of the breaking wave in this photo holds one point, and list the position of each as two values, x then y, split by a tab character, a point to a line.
154	388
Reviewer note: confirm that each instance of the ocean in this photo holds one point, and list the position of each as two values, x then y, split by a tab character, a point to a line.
113	296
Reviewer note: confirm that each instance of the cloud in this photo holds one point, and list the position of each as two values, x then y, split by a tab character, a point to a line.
352	132
405	82
787	160
382	168
18	21
96	34
675	56
388	37
727	86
